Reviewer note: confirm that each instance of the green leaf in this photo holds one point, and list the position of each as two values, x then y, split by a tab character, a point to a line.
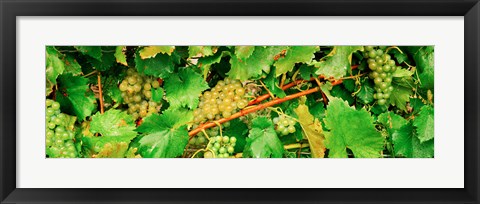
391	120
352	129
92	51
161	65
312	130
306	71
165	136
293	55
243	52
340	92
337	62
425	64
157	94
262	141
106	147
399	73
71	65
194	51
251	68
239	130
271	82
120	55
400	96
106	61
54	66
365	95
74	97
152	51
399	57
205	63
113	123
184	88
424	124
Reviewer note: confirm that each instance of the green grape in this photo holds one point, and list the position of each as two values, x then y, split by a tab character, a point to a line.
208	155
230	149
291	129
233	139
55	105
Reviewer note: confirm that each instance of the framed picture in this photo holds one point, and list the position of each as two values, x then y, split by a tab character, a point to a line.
342	92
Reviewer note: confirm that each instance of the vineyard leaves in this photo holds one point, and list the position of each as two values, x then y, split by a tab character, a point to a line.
359	136
184	88
424	124
165	135
312	130
113	123
337	62
244	52
120	55
293	55
92	51
161	65
73	96
54	67
425	63
152	51
262	141
251	68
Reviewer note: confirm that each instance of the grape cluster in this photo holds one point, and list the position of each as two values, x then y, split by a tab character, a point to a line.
223	147
284	125
223	100
382	67
137	94
59	134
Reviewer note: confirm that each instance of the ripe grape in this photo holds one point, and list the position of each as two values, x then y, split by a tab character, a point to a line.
222	147
222	101
59	137
382	67
137	94
284	125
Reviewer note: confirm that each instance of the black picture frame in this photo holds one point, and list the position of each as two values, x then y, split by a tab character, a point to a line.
10	9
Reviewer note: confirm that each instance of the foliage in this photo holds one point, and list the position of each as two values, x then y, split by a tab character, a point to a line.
328	95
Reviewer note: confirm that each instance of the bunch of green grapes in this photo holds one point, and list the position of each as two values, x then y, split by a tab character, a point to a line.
137	94
223	100
382	67
59	134
223	147
284	125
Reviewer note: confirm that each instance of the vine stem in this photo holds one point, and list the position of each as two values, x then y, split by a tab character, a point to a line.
290	85
100	92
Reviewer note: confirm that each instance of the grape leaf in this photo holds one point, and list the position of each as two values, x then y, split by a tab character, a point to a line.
262	141
92	51
152	51
251	68
399	56
400	96
424	124
54	65
402	73
73	96
312	130
352	129
107	60
194	51
205	63
425	63
340	92
71	65
404	141
161	65
391	120
306	71
113	123
365	95
271	82
293	55
120	55
157	94
239	130
106	147
243	52
164	136
350	85
337	62
184	88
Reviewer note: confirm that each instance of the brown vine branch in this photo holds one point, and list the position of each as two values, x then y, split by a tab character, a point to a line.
290	85
100	92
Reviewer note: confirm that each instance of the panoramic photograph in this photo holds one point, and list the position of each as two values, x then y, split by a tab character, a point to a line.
215	101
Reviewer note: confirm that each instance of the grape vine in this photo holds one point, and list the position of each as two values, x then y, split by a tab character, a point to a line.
239	101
